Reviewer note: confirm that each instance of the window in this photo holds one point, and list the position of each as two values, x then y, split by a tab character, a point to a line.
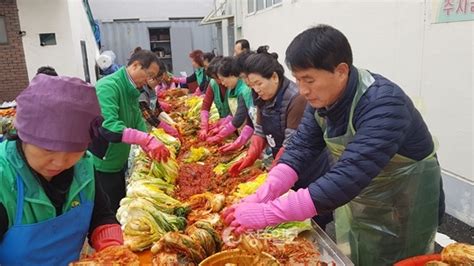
250	6
268	3
260	4
3	30
47	39
160	44
257	5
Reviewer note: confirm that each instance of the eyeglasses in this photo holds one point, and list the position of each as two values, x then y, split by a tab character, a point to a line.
150	76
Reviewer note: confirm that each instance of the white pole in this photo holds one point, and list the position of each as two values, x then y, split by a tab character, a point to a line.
225	37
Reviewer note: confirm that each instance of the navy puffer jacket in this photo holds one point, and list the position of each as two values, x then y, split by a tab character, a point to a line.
386	123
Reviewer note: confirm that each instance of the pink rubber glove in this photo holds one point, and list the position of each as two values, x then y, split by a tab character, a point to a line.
106	235
204	125
169	129
280	179
153	147
180	80
245	135
159	88
226	131
295	206
166	107
216	127
197	92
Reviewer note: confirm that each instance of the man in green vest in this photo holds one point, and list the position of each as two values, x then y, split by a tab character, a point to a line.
123	123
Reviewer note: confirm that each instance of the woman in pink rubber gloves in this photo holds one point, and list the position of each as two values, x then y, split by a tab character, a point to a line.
123	123
279	112
216	94
240	104
198	81
385	185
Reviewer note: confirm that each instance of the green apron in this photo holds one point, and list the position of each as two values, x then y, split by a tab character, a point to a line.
221	105
396	215
233	103
241	89
199	75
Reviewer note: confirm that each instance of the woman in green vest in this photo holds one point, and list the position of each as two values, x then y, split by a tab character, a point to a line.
216	94
240	102
198	81
49	199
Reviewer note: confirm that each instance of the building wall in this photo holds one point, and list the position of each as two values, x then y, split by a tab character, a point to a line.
125	23
123	36
13	75
152	10
433	63
82	32
67	21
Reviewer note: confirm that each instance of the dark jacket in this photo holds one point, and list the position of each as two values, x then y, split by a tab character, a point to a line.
277	120
287	105
386	123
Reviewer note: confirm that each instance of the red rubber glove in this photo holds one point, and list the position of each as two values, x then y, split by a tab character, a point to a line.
106	235
162	94
257	144
277	157
204	125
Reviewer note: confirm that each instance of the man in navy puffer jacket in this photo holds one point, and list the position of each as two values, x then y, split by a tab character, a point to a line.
385	185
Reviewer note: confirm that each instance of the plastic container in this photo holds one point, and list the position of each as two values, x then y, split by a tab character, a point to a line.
239	257
419	260
326	247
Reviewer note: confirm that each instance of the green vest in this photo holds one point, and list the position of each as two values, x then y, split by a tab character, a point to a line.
199	75
241	89
221	105
37	206
118	100
396	215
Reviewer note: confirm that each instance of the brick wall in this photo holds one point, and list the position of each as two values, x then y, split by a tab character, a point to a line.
13	73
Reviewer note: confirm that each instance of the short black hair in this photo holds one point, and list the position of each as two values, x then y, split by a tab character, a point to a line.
213	66
208	56
241	59
244	44
163	68
47	70
136	49
229	67
145	58
320	47
264	64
